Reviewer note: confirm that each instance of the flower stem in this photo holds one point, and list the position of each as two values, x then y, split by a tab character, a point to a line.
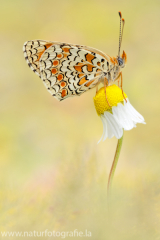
114	164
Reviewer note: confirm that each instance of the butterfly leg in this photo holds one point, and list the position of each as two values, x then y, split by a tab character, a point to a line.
105	80
118	82
121	86
98	82
97	87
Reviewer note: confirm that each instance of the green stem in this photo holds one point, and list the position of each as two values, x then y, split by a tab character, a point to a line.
115	161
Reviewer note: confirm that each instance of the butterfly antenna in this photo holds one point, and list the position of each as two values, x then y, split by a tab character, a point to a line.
120	36
123	22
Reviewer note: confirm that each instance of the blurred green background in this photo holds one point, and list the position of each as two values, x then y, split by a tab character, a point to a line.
53	175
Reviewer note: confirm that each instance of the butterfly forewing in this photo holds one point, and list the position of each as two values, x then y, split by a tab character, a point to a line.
33	51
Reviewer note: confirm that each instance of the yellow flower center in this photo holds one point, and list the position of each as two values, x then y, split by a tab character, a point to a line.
114	96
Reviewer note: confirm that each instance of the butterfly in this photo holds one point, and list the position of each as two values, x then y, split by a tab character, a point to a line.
69	70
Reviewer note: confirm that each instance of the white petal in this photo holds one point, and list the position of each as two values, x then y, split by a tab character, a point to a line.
135	116
123	117
114	125
108	132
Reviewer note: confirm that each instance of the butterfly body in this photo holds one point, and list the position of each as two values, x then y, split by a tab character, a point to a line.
69	70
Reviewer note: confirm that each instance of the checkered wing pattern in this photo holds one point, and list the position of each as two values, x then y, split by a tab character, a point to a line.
66	69
33	51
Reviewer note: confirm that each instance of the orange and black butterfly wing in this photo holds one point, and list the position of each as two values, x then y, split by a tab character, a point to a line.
69	70
66	69
33	51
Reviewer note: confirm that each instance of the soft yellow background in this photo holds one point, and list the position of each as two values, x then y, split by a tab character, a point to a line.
53	175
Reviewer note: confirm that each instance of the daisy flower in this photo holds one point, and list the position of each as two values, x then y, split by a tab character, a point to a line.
118	115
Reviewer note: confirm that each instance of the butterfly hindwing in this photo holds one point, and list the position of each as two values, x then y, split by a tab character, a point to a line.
66	69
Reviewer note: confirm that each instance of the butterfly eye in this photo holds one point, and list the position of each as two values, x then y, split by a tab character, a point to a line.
120	62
